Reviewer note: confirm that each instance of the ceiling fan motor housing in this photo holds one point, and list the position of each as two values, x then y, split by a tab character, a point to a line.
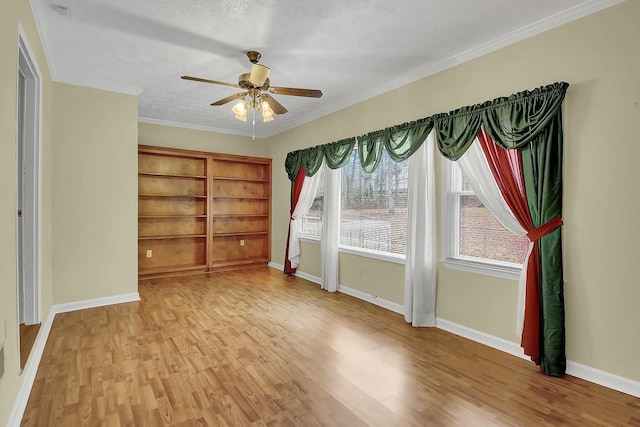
253	56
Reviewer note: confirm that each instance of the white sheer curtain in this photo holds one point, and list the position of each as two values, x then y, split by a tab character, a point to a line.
420	265
330	229
475	168
307	194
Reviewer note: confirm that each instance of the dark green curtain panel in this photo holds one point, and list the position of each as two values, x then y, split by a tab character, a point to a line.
530	121
542	168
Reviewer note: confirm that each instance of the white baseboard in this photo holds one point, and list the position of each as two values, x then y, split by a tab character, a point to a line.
603	378
276	265
306	276
375	300
300	274
29	372
481	337
96	302
31	368
392	306
578	370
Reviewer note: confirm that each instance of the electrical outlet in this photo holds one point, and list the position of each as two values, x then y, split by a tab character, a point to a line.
149	253
242	242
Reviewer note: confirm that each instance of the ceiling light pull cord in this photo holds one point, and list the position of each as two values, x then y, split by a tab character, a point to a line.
253	132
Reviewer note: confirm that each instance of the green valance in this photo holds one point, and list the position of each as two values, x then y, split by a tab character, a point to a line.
335	154
456	131
400	142
512	122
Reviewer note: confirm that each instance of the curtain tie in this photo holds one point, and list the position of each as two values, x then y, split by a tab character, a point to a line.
544	229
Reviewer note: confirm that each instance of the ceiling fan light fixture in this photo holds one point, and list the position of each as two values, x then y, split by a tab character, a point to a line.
266	117
267	111
240	109
255	96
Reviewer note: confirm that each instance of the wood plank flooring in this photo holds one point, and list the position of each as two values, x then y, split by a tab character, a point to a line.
255	347
28	335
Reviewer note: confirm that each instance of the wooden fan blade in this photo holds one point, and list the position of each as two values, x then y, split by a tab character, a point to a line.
259	74
215	82
229	98
275	105
311	93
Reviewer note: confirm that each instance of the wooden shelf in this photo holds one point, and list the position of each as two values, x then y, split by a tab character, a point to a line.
227	178
241	197
174	236
246	233
200	210
171	216
174	196
240	261
164	175
240	215
170	268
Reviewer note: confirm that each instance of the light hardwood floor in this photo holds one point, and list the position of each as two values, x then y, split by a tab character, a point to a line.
255	347
28	335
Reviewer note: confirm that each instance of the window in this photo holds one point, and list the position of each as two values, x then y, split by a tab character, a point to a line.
312	221
475	236
373	208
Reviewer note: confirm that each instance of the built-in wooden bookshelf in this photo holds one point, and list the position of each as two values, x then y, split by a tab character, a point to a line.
200	211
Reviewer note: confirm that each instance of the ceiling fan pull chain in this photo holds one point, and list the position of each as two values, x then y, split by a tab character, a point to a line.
253	132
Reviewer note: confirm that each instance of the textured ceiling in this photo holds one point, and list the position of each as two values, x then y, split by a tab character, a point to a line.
350	49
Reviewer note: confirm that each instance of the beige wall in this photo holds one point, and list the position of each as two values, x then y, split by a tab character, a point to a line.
598	56
190	139
95	193
89	188
14	12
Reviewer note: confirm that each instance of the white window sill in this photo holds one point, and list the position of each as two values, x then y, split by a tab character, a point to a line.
495	270
310	238
382	256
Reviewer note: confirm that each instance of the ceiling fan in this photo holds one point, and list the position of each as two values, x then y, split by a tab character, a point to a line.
257	89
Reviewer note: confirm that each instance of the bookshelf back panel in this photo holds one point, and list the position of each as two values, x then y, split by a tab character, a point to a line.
171	226
171	165
239	189
239	206
160	185
240	169
240	224
172	252
230	248
178	206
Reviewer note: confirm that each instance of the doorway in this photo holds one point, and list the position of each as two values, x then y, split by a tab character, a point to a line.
28	171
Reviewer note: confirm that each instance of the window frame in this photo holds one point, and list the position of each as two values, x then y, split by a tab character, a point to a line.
450	232
308	236
354	250
368	253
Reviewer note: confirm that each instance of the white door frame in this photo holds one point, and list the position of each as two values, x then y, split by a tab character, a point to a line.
31	138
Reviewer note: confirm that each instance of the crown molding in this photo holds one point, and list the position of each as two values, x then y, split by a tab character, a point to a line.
193	127
493	45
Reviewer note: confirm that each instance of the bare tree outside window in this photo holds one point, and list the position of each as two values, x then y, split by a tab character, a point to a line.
374	206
